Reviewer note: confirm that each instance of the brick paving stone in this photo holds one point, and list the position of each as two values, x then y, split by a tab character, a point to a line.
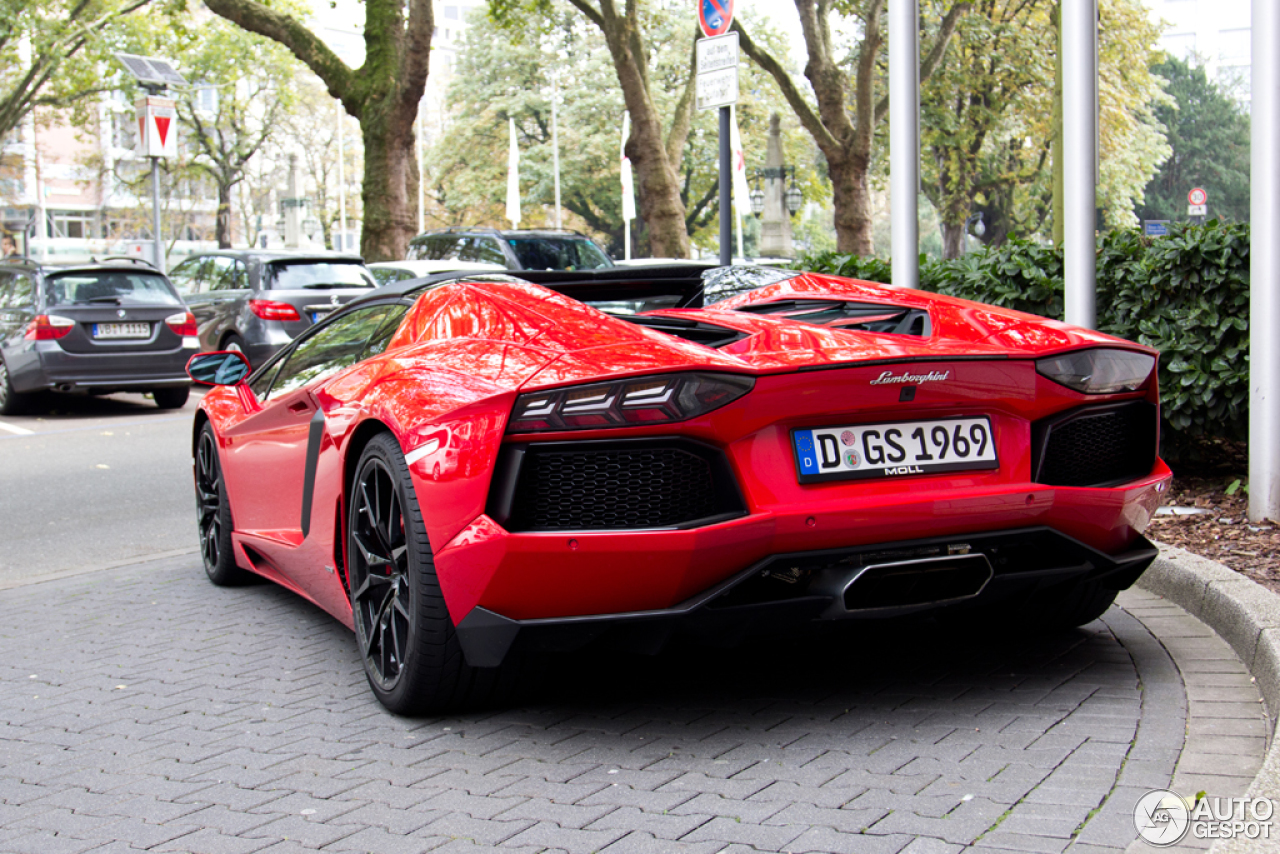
247	726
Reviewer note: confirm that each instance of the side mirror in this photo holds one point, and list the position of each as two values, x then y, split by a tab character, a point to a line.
222	368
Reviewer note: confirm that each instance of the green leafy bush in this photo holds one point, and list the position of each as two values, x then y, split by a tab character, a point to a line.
1186	294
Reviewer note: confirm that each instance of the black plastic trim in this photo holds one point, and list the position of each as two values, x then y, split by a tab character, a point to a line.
513	456
1042	431
315	432
486	637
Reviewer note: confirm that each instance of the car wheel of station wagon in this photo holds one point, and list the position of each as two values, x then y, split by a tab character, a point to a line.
406	639
11	402
171	398
213	515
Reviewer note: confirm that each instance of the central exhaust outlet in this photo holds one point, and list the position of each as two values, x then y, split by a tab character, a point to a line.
918	583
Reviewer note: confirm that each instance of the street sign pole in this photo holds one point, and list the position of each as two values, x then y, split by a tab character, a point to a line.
726	173
717	79
155	212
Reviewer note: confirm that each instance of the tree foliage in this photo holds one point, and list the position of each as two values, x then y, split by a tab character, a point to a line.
51	53
987	118
500	77
655	150
383	95
848	102
1208	134
241	87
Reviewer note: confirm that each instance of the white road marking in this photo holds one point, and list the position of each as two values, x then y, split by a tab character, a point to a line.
17	431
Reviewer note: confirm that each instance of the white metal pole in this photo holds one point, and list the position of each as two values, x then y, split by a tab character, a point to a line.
555	142
1264	267
155	208
1080	141
904	139
342	185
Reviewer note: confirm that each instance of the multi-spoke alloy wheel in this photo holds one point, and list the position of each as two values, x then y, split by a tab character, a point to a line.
213	514
381	587
406	637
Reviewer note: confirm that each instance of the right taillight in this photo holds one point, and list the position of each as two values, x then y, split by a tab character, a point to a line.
48	327
1099	371
269	310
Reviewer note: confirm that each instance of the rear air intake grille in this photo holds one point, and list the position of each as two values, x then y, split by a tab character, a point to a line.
1096	445
617	486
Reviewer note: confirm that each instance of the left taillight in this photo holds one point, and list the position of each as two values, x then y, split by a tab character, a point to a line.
183	324
269	310
627	403
48	327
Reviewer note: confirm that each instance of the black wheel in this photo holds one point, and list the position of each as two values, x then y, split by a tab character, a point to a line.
405	636
11	402
235	343
213	514
171	398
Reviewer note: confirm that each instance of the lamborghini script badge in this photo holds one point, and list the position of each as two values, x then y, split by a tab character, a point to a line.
887	378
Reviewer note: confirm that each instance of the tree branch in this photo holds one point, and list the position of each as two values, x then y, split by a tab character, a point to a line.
808	118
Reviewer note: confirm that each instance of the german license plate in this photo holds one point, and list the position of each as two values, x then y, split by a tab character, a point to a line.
900	448
121	330
317	316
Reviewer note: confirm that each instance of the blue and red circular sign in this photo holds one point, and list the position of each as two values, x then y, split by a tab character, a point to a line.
715	16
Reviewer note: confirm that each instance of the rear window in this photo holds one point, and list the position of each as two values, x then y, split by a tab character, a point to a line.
558	253
318	275
109	288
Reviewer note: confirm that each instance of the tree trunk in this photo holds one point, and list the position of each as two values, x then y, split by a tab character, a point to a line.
851	198
656	179
390	188
222	223
383	94
953	239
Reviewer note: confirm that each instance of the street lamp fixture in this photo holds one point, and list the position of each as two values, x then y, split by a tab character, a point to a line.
792	198
979	228
757	198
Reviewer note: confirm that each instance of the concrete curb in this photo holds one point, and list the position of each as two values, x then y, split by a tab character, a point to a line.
1247	616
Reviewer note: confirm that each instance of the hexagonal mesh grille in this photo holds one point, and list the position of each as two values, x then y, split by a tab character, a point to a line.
611	489
1100	447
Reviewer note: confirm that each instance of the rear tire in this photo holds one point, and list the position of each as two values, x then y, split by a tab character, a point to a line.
404	633
235	344
213	515
11	402
171	398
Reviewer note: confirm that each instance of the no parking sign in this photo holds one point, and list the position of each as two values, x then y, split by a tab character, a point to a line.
715	16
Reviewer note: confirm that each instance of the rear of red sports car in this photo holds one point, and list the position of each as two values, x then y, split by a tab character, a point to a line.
816	449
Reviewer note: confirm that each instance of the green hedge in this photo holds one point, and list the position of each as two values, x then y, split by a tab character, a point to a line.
1186	294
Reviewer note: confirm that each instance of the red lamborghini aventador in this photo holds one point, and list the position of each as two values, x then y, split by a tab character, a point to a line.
459	467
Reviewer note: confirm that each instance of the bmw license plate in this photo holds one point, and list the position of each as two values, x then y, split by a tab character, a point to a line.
121	330
900	448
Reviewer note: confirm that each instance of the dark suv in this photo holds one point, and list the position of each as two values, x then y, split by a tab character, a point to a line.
115	325
523	249
256	301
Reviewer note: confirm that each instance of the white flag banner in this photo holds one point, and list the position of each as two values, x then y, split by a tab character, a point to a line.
741	192
513	179
628	185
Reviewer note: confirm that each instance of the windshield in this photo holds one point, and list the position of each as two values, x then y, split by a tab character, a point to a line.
558	253
124	287
319	275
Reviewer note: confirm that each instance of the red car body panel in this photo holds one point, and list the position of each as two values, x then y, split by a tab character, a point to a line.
464	352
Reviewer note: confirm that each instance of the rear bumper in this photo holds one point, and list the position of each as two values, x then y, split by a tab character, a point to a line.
99	372
866	582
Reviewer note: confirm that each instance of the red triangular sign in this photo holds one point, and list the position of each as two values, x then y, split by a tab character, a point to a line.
162	126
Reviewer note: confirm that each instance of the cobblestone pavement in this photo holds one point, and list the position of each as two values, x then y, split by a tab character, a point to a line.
143	709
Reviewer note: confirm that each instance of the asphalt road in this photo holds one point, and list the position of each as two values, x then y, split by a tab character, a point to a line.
92	483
